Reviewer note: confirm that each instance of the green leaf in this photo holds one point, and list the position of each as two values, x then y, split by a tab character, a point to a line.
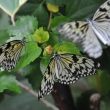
27	9
53	40
66	47
57	2
30	52
82	9
3	36
33	73
25	25
11	6
41	36
42	15
4	21
8	81
44	63
57	21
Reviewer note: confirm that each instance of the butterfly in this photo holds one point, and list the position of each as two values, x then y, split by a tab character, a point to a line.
10	53
86	33
67	69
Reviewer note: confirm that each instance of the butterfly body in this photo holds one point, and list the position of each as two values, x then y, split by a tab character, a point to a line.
88	33
10	52
67	69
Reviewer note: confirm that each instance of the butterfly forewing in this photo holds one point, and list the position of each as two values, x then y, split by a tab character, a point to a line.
74	31
10	53
64	74
72	67
103	13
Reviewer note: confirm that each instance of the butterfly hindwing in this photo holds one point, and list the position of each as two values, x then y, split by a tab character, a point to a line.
10	53
47	81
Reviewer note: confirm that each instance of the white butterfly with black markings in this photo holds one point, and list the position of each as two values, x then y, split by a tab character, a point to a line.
10	53
86	33
66	68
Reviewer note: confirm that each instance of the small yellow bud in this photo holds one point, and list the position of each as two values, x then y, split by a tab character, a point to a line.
52	8
47	50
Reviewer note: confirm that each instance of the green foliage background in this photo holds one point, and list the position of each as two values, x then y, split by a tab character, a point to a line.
33	15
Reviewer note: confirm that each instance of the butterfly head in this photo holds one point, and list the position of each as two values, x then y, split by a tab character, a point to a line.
89	21
56	55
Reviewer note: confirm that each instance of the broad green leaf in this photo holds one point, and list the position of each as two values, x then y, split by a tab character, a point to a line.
82	9
44	63
25	25
42	15
4	20
53	40
66	47
41	36
3	36
33	73
27	9
11	6
8	81
57	2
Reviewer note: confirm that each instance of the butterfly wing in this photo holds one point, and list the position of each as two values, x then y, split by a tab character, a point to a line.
81	32
10	53
47	81
103	28
91	44
101	22
71	67
103	13
74	31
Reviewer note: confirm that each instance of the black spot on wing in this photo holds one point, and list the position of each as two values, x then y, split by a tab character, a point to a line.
77	24
84	61
108	3
75	59
1	51
102	9
8	45
70	65
107	17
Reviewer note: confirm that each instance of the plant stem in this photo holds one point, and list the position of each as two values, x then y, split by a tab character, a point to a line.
50	19
48	104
